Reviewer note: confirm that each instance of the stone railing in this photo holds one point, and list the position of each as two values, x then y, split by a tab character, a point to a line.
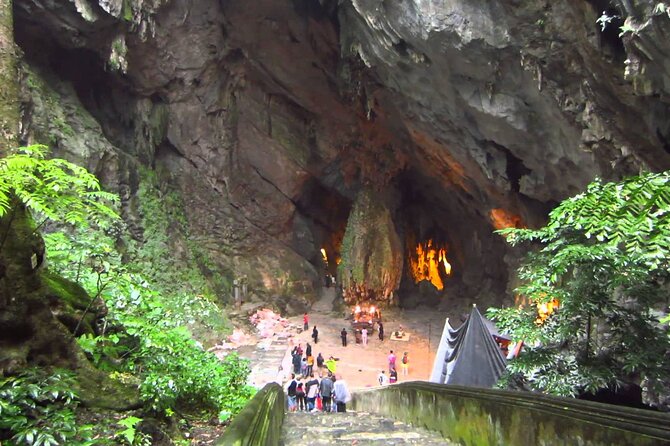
260	422
473	416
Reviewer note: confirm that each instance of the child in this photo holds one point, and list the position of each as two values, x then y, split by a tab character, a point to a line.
404	363
300	395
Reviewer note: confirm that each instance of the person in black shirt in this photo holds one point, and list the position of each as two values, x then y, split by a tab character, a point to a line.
297	359
343	335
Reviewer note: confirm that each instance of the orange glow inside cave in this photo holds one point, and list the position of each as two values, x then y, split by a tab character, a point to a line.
502	219
429	263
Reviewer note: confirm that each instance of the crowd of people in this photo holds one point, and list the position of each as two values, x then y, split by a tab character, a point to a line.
321	391
313	389
325	390
317	394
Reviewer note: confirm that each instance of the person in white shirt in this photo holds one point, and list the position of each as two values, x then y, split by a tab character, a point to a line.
364	336
342	395
382	379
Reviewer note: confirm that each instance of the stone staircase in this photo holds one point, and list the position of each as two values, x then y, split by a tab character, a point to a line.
353	428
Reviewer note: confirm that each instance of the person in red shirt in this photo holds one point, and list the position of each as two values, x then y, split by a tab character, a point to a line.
305	321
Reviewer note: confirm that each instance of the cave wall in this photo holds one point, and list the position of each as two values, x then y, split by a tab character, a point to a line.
264	116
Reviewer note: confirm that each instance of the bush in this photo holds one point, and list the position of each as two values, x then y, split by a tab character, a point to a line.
37	408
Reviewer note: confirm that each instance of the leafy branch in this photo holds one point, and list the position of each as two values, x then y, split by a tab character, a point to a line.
52	189
604	256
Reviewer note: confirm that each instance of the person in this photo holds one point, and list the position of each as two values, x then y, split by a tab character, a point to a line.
310	365
391	359
404	364
382	379
393	377
308	350
296	361
303	367
291	392
342	395
331	365
315	335
381	331
312	387
326	389
299	349
364	336
332	396
300	395
319	361
305	322
343	335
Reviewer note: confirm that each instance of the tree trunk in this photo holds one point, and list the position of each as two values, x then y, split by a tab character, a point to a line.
9	96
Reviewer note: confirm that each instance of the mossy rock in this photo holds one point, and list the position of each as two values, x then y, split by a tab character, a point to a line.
70	303
96	389
371	250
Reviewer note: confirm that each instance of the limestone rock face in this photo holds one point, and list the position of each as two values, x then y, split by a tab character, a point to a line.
269	118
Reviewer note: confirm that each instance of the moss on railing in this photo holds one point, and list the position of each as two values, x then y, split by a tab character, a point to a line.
473	416
260	422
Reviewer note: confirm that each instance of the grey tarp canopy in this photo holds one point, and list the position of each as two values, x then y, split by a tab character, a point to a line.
468	355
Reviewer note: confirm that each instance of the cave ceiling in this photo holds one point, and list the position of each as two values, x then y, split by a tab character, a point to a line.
271	116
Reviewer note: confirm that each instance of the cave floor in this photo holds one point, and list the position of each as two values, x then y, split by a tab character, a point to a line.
358	364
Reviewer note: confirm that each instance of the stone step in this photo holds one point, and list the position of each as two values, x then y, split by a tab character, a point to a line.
353	428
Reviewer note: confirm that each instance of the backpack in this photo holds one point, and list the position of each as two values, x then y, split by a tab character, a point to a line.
292	387
404	359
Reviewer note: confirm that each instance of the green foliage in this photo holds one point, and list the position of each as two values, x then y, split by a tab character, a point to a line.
604	256
147	333
175	370
129	434
53	188
147	330
37	408
176	265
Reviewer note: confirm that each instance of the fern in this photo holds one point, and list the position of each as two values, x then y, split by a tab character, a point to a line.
53	189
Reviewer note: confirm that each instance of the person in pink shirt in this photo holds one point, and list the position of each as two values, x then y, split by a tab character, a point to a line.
391	359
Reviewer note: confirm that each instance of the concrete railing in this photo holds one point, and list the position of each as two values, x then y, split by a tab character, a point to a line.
260	422
473	416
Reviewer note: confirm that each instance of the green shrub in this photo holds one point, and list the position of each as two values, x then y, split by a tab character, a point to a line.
37	408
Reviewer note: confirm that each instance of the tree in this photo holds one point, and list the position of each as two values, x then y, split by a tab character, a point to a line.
604	259
9	97
50	189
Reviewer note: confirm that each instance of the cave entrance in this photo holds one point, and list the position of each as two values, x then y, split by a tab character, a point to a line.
319	227
432	224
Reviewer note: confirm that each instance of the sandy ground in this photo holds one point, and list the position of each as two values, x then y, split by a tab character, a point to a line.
360	364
